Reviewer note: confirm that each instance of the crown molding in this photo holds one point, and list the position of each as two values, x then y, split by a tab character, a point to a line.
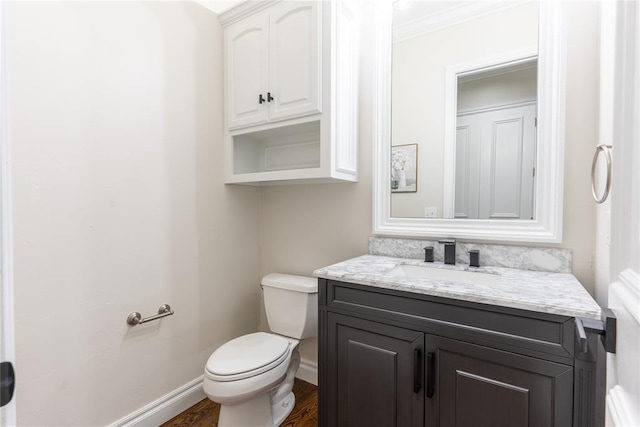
244	9
452	16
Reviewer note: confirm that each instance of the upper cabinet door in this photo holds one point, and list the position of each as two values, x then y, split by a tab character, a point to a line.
294	66
247	47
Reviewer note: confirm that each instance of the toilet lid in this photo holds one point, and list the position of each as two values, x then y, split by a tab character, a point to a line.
248	355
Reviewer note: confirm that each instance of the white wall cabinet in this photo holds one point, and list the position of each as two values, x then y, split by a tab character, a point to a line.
291	91
273	61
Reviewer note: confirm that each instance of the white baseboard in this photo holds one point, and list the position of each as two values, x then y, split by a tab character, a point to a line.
182	398
308	371
165	408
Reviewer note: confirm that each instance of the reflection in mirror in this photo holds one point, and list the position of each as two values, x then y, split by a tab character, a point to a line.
464	91
495	143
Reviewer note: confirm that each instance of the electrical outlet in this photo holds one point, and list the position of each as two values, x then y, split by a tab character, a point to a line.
430	212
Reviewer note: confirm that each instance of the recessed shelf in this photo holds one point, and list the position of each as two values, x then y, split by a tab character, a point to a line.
283	148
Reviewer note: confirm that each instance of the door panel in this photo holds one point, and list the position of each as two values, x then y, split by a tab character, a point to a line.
7	340
477	395
496	168
376	372
623	369
479	386
463	175
294	67
246	71
506	168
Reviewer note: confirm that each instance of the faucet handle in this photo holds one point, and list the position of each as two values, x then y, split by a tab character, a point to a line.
428	254
474	258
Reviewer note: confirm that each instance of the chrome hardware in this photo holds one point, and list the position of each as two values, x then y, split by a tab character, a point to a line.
135	318
606	149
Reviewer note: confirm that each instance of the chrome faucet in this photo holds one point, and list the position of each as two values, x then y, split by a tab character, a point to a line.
449	251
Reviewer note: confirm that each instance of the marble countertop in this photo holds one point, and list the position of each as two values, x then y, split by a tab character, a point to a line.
555	293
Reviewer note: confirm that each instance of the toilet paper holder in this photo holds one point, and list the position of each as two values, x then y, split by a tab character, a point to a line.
135	318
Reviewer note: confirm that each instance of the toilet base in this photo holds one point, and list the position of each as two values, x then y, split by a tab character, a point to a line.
268	409
255	412
282	409
258	412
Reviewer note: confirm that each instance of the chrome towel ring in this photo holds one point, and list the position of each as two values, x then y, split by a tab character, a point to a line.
606	149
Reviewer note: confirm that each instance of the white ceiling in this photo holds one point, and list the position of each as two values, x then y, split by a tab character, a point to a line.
218	6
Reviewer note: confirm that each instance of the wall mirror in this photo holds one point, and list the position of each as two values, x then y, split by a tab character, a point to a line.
469	120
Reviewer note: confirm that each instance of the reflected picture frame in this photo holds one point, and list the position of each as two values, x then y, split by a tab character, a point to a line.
404	179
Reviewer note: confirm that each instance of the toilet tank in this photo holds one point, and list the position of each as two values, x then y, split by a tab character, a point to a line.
291	305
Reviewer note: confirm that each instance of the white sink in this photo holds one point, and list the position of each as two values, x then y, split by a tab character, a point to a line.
425	272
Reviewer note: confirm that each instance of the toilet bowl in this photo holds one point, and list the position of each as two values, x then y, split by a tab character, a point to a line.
252	376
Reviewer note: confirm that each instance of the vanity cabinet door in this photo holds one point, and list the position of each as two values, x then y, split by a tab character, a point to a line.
375	374
477	386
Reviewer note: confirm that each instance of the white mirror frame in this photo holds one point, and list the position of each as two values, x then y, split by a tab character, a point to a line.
547	225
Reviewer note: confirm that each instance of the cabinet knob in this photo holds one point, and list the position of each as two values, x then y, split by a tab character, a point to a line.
261	99
269	97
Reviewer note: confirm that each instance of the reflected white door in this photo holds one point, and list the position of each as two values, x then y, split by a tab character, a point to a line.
495	159
623	367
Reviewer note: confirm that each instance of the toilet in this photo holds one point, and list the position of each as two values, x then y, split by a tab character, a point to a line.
251	376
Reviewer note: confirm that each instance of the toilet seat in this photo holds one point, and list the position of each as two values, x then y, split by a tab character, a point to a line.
247	356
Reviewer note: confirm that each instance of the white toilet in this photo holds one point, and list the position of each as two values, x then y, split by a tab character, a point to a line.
252	376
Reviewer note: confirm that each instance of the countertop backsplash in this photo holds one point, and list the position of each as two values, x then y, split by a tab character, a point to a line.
521	257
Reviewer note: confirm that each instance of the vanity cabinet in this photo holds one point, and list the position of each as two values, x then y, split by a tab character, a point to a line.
395	358
291	91
272	65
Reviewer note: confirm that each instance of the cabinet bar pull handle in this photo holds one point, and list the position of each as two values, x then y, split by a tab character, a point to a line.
417	370
431	372
269	97
261	99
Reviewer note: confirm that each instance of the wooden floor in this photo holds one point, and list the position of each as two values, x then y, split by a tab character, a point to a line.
205	413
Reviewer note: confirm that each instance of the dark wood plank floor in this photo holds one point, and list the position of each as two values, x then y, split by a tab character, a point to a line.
205	413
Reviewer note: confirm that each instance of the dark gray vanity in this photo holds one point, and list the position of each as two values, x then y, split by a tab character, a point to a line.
416	350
